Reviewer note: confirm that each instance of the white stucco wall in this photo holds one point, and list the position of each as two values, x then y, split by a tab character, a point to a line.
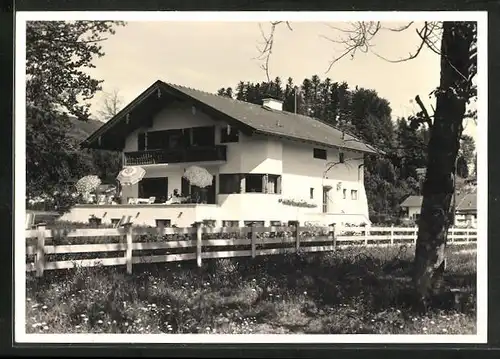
264	154
412	211
179	215
301	171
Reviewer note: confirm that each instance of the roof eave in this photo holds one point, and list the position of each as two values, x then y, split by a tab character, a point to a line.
319	143
87	143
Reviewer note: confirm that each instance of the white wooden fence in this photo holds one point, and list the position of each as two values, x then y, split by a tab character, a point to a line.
251	241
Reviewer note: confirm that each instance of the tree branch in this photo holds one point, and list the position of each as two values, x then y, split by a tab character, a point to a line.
267	49
424	111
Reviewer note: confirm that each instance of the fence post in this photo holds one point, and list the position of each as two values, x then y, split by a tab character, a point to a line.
198	242
334	237
128	252
254	239
416	236
40	250
297	236
367	233
392	234
467	235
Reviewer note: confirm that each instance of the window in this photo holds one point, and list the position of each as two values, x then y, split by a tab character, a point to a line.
229	183
163	223
230	223
203	136
185	187
115	221
256	223
275	223
95	221
354	194
311	193
319	153
254	183
209	222
273	184
141	142
344	193
229	134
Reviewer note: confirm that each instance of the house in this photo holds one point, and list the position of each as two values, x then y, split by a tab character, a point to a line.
268	165
465	212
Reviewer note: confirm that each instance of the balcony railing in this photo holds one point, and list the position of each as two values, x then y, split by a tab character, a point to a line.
192	154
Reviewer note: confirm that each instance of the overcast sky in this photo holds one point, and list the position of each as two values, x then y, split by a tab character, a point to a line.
211	55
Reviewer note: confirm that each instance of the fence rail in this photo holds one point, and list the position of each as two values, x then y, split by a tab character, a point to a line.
257	241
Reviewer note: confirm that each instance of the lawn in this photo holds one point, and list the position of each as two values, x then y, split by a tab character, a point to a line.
348	291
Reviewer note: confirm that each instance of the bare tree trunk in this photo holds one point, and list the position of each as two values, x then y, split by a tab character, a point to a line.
444	144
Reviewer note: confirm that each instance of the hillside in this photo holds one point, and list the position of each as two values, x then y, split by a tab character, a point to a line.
80	130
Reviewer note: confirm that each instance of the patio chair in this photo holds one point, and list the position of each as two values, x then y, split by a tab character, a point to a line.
151	200
132	200
101	199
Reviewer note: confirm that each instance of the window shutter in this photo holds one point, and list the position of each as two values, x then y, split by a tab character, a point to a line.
141	141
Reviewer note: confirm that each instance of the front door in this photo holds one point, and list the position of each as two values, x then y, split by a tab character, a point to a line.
154	187
326	191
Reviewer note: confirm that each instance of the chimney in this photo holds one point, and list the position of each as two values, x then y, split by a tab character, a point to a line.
273	104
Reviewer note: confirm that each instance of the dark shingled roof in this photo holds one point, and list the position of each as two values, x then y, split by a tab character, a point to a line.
275	122
464	201
256	117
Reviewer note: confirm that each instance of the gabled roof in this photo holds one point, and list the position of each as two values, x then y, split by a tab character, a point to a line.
254	118
412	201
464	201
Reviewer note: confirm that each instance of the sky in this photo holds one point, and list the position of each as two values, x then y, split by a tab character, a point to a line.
211	55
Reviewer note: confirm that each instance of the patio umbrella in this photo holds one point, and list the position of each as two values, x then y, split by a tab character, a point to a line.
198	176
131	175
87	184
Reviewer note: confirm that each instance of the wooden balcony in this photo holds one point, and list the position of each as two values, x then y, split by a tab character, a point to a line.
192	154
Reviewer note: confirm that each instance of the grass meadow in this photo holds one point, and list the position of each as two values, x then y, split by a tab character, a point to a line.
348	291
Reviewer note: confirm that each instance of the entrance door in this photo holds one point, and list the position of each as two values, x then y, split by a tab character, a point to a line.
154	187
326	191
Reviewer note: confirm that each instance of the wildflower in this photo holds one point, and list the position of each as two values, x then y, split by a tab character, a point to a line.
445	330
44	323
126	324
305	293
424	329
153	305
35	305
45	328
77	327
28	299
83	315
34	325
432	322
99	321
